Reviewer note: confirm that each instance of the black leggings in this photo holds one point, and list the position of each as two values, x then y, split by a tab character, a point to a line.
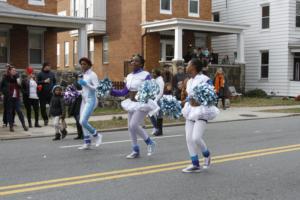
34	103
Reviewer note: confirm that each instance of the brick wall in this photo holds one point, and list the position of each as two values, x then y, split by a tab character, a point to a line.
50	6
19	46
50	38
179	10
152	50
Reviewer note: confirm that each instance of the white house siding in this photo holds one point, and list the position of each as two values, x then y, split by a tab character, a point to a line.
275	40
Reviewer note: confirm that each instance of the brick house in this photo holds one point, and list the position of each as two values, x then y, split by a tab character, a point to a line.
162	30
28	32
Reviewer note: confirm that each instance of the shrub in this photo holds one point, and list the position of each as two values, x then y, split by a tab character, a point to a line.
259	93
297	98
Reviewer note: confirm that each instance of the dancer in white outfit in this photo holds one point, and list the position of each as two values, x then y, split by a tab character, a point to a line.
196	119
136	111
89	82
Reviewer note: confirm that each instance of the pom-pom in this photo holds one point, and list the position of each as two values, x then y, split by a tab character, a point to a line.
205	94
170	106
104	87
71	94
148	90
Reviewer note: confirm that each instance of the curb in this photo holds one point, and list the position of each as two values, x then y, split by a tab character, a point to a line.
147	127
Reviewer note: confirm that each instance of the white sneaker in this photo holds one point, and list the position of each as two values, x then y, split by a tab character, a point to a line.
151	148
207	162
133	155
191	169
85	147
98	140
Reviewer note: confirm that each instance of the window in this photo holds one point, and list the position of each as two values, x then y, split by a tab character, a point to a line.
298	14
264	64
58	54
37	2
66	57
75	8
3	47
35	48
194	8
169	52
91	49
75	53
105	55
166	6
86	8
297	67
265	21
216	17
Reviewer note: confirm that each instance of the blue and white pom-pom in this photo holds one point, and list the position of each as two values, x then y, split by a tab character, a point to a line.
205	94
148	90
70	94
104	87
170	106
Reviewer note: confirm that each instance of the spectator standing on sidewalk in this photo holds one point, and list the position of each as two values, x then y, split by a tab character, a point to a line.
219	83
46	80
178	81
30	97
74	110
11	90
57	111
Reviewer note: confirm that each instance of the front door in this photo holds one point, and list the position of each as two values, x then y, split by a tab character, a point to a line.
166	50
297	69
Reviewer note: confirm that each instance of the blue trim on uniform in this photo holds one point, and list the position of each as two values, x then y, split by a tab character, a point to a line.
86	113
136	148
148	141
206	154
195	161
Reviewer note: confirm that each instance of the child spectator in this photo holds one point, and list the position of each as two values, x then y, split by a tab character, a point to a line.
57	111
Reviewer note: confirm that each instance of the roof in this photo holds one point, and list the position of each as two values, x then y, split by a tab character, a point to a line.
192	24
15	15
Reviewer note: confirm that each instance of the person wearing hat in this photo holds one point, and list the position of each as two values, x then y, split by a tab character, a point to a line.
30	96
57	111
46	80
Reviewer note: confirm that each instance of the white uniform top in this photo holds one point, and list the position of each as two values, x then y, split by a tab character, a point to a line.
135	80
193	82
33	89
160	81
89	90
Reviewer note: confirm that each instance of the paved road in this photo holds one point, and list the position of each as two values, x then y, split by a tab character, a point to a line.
252	160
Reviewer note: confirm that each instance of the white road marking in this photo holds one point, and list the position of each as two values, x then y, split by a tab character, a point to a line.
121	141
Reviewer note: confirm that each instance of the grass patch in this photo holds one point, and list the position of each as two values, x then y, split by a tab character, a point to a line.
260	102
122	123
108	111
289	110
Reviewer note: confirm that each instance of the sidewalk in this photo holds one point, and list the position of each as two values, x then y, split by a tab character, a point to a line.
231	114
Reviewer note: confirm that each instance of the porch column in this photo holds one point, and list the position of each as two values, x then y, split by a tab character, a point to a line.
241	47
82	42
178	44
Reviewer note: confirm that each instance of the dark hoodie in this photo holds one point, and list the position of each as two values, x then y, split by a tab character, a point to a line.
57	107
46	87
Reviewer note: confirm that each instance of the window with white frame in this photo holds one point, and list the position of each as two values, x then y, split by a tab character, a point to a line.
296	74
87	6
75	8
58	54
3	46
75	53
297	13
105	55
36	2
264	73
166	6
265	20
194	8
67	54
91	49
36	48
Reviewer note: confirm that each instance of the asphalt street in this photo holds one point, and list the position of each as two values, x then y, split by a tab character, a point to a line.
253	159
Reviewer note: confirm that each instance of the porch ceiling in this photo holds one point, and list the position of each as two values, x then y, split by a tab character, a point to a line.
13	15
191	24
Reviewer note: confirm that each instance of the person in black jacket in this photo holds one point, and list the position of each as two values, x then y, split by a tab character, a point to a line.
46	80
11	89
57	111
74	110
30	97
